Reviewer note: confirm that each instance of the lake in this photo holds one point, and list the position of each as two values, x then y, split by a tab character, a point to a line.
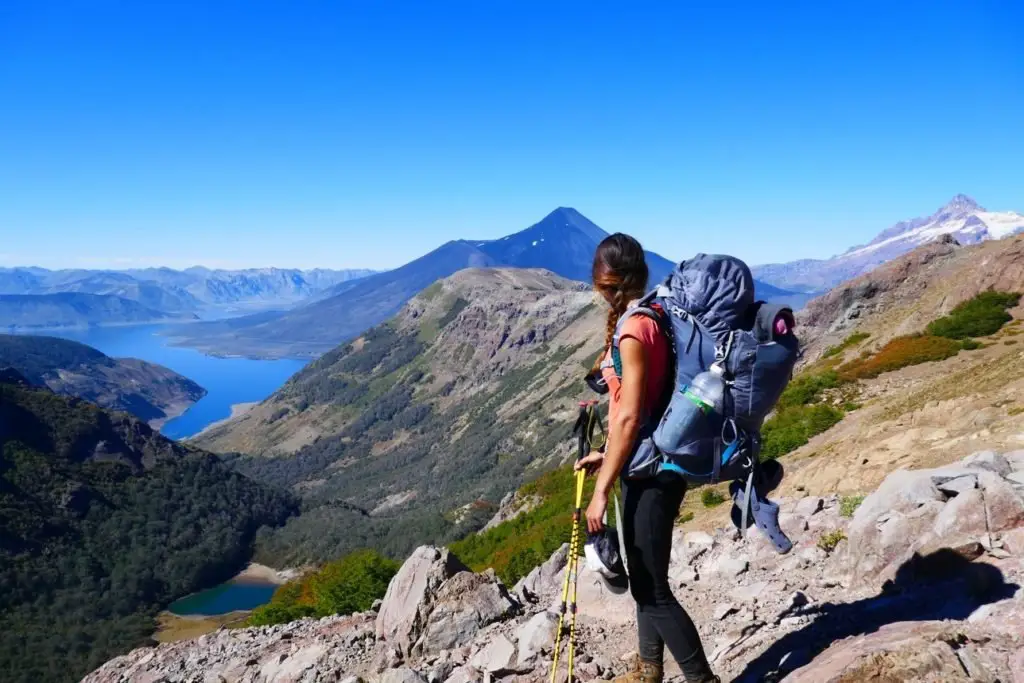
228	380
227	597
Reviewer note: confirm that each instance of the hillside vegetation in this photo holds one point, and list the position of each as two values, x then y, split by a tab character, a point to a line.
102	523
403	435
150	392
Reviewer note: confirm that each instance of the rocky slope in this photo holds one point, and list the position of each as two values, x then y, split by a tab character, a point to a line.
961	218
471	388
921	582
563	242
150	392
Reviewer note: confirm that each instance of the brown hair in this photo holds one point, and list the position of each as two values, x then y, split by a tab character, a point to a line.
620	275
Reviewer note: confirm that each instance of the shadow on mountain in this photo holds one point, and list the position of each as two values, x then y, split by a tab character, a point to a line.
938	586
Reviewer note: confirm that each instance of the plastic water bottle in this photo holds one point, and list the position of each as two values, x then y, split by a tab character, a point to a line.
707	390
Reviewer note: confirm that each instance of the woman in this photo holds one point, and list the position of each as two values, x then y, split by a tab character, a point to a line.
651	506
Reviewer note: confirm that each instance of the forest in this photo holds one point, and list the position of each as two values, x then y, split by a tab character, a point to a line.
103	523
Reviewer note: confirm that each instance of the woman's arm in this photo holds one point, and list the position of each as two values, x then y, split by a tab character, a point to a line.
623	431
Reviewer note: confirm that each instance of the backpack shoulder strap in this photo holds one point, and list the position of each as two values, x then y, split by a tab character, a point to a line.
644	308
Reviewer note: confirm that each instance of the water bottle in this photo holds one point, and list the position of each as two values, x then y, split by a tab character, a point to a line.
707	390
694	413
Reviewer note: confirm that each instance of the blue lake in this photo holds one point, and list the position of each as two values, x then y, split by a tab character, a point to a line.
227	597
228	380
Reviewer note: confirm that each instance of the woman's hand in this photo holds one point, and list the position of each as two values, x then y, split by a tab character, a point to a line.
591	463
595	512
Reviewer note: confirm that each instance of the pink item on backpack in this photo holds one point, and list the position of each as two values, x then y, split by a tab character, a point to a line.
783	324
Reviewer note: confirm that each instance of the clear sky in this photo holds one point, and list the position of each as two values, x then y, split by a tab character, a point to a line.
363	134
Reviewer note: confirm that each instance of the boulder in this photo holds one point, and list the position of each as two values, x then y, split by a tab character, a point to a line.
903	491
877	550
1005	505
964	517
808	506
461	607
904	651
955	487
1016	460
536	636
988	460
728	566
465	674
1013	541
497	657
403	675
410	595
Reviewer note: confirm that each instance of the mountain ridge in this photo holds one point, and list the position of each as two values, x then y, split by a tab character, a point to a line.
73	309
961	217
563	242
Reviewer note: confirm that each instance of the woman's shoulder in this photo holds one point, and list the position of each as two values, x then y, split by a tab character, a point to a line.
643	328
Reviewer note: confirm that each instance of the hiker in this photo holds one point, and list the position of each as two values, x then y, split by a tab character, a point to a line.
651	504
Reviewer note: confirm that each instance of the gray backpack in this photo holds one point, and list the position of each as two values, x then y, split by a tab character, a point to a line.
707	310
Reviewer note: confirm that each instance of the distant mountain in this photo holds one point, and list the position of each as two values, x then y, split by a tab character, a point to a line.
562	243
150	392
962	218
104	523
72	309
183	292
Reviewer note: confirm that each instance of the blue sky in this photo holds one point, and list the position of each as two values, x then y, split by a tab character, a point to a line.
351	134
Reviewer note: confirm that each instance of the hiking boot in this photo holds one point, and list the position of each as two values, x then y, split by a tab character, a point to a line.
643	672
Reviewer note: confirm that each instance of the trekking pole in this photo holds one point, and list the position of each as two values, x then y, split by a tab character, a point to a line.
584	427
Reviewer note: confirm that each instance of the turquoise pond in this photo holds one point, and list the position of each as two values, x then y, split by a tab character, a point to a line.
227	597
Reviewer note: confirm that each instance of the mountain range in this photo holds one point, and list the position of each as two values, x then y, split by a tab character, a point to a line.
562	243
37	297
148	391
962	217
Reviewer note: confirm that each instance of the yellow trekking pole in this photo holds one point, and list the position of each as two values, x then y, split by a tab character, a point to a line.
585	424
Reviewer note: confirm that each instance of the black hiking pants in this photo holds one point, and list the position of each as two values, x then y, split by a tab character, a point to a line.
651	507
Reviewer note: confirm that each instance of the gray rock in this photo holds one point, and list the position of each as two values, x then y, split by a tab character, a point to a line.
410	595
729	566
955	487
403	675
876	552
1016	478
792	523
682	575
903	491
1016	460
465	674
988	460
497	656
699	539
722	611
1013	541
536	636
962	517
1005	505
809	506
463	605
543	579
750	593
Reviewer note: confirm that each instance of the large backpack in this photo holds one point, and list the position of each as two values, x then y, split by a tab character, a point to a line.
707	309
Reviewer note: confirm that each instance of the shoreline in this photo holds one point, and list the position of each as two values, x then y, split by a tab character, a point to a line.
171	412
237	410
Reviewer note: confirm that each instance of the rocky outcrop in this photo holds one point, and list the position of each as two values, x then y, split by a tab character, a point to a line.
921	584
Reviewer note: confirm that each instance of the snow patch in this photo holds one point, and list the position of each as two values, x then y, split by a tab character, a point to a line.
535	243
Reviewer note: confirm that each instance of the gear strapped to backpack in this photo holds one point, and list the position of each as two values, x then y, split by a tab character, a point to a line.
731	364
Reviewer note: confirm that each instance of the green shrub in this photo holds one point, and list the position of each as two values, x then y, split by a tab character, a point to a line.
808	388
852	340
849	504
981	316
685	517
828	542
971	344
1010	342
791	428
711	498
344	586
899	353
1017	410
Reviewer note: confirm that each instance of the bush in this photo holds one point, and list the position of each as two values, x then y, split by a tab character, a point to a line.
981	316
807	389
685	517
828	542
344	586
899	353
791	428
971	344
711	498
849	504
852	340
